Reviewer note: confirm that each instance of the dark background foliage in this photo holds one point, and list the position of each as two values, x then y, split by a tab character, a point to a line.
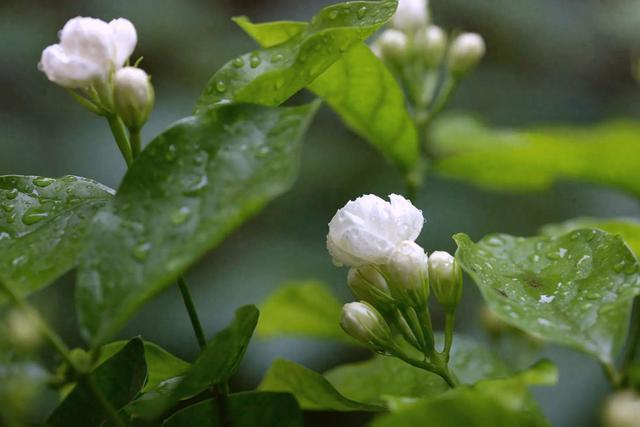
548	61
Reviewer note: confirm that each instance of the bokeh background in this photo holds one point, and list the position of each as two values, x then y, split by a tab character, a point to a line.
548	61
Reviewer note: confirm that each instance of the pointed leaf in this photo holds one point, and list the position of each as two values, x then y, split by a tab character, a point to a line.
264	409
269	34
119	379
191	187
575	289
42	227
272	75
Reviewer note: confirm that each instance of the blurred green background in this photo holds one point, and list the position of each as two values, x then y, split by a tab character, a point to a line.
548	61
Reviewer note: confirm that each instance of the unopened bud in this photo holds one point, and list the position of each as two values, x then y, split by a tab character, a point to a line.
445	278
622	409
367	284
393	46
408	273
366	324
411	15
466	51
429	45
23	330
133	96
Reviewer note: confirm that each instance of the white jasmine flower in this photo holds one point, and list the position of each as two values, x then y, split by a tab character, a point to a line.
466	51
411	15
368	229
89	50
365	323
408	267
392	45
430	45
133	96
445	279
367	284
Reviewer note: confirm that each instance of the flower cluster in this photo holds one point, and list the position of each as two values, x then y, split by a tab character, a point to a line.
91	60
391	275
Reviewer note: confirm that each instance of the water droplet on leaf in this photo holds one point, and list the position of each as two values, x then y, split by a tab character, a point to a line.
34	215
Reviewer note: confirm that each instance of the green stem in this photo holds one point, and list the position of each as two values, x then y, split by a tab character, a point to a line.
120	134
441	371
136	144
614	377
411	318
427	330
193	314
634	339
405	330
56	342
449	324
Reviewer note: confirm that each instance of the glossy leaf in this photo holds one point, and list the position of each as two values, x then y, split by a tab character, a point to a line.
218	362
627	228
303	309
311	389
161	364
360	88
374	380
190	187
510	160
270	76
575	289
42	227
119	380
264	409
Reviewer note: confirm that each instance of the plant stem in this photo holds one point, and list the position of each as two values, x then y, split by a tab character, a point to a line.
427	330
614	377
136	145
56	342
120	134
439	370
634	339
449	323
193	314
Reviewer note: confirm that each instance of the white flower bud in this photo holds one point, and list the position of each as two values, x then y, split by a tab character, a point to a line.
445	279
367	230
430	45
134	96
367	284
366	324
89	50
411	15
23	330
622	409
466	51
393	46
408	274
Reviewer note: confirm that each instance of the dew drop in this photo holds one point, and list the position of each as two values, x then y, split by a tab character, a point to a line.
141	251
12	194
277	58
11	218
69	179
34	215
43	182
238	62
181	215
255	61
619	266
362	12
8	207
278	84
4	235
333	14
221	86
170	155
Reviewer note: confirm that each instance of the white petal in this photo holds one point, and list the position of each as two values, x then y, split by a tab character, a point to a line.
71	72
90	39
125	39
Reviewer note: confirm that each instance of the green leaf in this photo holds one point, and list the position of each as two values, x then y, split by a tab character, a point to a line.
510	160
264	409
272	75
360	88
42	227
575	289
217	363
373	381
161	364
304	309
312	390
119	380
191	186
503	402
269	34
367	97
628	228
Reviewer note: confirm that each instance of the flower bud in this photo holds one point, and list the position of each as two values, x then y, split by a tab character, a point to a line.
133	96
429	45
408	274
393	46
366	324
367	284
622	409
411	15
23	330
445	278
367	230
466	51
